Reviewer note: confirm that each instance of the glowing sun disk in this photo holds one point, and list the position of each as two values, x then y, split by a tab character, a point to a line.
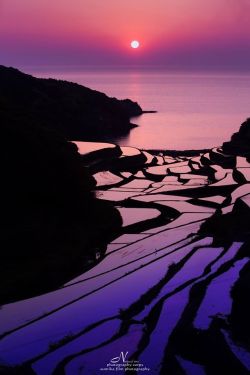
135	44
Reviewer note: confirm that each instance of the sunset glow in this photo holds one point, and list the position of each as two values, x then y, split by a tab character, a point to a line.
186	34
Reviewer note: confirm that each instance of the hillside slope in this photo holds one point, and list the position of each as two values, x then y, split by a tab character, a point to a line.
73	110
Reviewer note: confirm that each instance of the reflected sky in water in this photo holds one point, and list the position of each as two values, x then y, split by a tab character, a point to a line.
195	110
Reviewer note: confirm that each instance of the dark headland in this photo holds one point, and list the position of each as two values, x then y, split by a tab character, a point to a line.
72	110
53	224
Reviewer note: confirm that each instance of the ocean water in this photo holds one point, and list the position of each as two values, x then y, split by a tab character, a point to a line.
194	110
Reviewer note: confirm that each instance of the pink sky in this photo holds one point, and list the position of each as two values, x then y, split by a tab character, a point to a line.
174	33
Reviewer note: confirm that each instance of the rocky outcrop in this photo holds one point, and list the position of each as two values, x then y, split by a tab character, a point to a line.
132	108
240	141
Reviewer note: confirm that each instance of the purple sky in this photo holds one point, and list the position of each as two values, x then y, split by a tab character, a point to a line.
183	34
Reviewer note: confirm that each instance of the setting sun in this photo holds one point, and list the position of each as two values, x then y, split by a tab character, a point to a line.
135	44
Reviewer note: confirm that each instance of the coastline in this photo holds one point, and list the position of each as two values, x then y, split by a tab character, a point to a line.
177	152
162	235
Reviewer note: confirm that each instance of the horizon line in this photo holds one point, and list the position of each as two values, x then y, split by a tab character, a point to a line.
142	67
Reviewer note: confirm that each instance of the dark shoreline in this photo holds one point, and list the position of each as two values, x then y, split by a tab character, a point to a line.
177	152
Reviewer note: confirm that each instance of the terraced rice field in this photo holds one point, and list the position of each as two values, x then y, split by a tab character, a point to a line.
163	290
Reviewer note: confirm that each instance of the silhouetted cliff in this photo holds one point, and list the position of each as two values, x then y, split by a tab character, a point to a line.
240	141
73	110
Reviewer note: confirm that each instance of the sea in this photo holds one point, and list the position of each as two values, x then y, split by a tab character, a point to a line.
195	110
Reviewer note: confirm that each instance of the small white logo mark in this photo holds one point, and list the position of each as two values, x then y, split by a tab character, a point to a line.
122	357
